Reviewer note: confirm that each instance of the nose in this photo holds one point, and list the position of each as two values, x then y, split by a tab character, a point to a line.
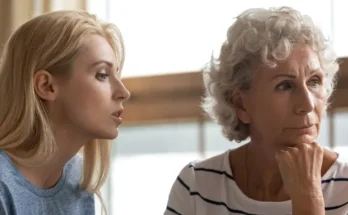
121	92
305	101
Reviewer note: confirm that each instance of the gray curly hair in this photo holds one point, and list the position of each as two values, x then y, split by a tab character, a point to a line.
267	35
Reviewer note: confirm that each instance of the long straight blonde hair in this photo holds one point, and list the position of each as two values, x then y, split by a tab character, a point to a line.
48	42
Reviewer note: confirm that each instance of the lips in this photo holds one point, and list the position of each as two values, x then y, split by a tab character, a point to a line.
304	127
117	116
302	130
118	113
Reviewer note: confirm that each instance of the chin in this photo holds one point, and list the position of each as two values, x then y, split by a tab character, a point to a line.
108	135
301	140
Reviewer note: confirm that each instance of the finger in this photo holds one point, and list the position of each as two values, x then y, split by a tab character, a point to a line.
317	146
283	157
292	150
314	148
313	145
306	146
279	156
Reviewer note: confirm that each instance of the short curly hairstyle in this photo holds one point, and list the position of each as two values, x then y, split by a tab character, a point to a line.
267	35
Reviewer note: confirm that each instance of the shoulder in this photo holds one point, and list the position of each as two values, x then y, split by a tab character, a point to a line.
76	161
342	163
73	169
205	171
337	174
7	169
339	169
335	184
8	183
193	180
217	162
6	203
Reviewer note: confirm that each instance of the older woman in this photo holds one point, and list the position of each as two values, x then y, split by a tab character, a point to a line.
271	84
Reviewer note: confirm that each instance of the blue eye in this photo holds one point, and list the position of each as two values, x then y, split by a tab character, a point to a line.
284	86
102	76
315	82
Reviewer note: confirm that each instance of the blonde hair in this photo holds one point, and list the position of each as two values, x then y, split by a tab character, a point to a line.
48	42
259	35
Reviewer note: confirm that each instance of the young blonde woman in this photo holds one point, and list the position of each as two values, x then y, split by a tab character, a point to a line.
60	93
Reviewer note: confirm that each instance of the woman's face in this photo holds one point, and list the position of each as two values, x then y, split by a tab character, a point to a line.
285	104
89	101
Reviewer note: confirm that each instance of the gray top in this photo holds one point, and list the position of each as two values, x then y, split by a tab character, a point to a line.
19	197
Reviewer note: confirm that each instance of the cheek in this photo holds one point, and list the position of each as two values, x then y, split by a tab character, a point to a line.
88	92
83	102
77	107
270	115
90	113
263	110
321	103
320	109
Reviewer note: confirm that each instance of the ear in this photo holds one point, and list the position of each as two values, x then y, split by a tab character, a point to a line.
239	102
44	85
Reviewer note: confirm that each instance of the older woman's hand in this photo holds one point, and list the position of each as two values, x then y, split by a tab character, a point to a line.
300	167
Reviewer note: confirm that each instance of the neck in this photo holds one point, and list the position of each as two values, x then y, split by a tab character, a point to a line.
266	184
261	180
47	175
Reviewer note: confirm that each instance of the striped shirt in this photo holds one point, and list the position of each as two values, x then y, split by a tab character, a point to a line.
208	187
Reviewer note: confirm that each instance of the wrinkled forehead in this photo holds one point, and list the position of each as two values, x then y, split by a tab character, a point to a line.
303	58
302	61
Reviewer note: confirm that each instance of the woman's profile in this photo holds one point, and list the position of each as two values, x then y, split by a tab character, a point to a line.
60	94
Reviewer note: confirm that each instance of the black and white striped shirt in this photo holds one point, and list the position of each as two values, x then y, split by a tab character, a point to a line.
208	188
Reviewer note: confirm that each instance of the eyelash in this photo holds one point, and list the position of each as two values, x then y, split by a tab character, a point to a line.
102	76
317	82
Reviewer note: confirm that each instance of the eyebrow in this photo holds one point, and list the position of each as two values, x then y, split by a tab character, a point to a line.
108	63
284	75
294	76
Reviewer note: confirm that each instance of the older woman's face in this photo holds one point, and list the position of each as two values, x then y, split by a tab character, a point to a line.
285	104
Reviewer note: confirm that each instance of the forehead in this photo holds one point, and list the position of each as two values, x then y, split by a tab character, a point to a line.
302	57
95	48
303	60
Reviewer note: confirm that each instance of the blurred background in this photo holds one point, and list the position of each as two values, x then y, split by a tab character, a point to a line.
167	44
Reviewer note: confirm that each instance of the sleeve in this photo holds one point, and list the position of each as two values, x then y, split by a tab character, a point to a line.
4	203
181	201
3	210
